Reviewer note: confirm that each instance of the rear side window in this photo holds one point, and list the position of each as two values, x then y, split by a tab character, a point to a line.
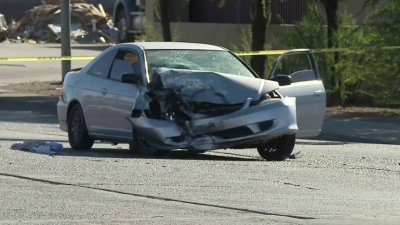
102	66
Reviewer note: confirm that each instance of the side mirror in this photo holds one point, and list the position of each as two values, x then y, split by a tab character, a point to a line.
283	80
131	78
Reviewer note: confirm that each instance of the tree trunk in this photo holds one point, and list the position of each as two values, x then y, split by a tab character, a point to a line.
165	23
258	28
331	7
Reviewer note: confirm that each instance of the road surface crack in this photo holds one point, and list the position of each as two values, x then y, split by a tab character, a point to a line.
373	168
299	185
157	197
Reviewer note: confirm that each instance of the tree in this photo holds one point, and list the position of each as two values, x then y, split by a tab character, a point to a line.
162	8
261	17
384	69
331	7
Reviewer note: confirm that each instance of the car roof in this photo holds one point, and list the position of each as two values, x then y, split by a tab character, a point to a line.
175	45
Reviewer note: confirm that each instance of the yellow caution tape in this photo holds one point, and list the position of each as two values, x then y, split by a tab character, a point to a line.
265	52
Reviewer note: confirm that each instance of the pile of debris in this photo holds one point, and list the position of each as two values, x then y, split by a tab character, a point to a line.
42	23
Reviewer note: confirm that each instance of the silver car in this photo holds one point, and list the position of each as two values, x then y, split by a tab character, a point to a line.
160	96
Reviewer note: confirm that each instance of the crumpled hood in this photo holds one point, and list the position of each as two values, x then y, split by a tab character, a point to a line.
211	87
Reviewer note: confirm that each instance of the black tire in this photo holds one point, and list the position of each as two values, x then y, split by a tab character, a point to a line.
78	136
277	149
141	147
123	29
194	152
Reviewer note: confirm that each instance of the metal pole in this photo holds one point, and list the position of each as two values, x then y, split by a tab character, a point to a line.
65	36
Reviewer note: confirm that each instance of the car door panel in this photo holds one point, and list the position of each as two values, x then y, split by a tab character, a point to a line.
310	107
306	87
92	83
119	98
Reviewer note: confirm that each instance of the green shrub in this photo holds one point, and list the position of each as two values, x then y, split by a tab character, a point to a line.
363	74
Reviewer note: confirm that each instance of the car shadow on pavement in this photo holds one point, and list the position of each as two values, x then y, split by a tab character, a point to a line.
120	153
28	109
172	155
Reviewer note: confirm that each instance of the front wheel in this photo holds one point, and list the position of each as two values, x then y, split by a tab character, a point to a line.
140	146
277	149
78	136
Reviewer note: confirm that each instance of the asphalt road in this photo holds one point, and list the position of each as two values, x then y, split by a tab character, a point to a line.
329	182
336	179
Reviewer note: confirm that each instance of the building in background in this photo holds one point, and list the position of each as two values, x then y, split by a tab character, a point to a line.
208	21
204	21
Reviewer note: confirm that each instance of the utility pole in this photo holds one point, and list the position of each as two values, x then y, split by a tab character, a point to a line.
65	36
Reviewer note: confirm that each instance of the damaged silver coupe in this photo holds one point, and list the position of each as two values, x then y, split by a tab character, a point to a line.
163	96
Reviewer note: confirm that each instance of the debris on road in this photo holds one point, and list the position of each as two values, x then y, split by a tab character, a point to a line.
296	155
42	23
38	147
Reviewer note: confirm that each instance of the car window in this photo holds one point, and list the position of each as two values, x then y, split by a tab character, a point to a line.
215	61
297	65
102	65
125	62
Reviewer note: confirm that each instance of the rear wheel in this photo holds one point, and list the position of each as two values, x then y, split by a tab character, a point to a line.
140	146
277	149
78	136
123	29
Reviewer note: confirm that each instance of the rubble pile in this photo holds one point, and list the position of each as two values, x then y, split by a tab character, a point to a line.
42	23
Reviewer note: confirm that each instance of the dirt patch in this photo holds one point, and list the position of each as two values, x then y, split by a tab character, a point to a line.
54	89
35	88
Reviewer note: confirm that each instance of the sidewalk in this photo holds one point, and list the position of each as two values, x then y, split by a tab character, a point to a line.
362	129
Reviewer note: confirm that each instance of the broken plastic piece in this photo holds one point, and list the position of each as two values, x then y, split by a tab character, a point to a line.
38	146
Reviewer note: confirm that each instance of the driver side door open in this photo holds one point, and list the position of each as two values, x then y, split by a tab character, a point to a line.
306	86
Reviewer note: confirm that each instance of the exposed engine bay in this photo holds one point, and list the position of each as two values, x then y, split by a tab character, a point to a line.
187	105
198	94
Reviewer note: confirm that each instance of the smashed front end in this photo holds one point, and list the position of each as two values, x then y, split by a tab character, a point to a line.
202	110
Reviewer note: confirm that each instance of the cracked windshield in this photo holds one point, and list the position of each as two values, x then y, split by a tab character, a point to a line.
215	61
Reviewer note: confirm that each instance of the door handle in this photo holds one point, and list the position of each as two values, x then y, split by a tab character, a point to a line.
318	93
